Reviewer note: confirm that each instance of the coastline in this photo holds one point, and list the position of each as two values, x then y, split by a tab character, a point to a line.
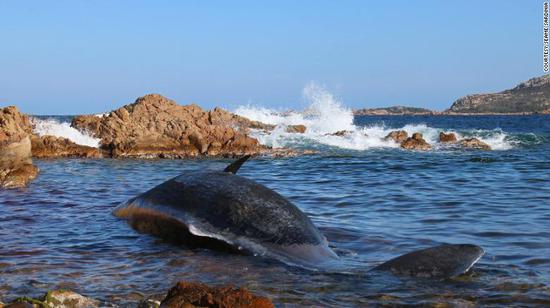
435	113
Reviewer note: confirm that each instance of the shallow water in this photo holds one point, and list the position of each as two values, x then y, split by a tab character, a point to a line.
371	204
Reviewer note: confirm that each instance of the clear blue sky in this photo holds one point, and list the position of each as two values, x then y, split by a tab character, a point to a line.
70	57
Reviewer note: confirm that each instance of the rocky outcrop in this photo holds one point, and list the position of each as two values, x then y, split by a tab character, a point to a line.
16	168
155	126
188	294
394	110
55	147
416	142
397	135
532	96
447	138
219	116
474	143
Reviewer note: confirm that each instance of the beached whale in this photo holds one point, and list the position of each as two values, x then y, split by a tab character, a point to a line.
223	210
209	207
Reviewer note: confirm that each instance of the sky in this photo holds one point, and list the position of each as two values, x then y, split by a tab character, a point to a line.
77	57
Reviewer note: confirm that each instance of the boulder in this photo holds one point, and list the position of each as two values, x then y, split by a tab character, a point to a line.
397	135
416	142
447	138
190	294
16	168
474	143
154	126
296	129
54	147
68	299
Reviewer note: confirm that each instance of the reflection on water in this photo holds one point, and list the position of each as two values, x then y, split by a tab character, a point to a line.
372	205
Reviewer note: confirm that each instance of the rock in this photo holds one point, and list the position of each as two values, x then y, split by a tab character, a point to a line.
67	299
531	96
340	133
18	177
218	116
296	129
148	303
189	294
447	138
155	126
53	147
55	299
21	305
397	135
474	143
16	168
416	142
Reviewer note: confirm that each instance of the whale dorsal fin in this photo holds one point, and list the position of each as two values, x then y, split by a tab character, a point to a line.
234	166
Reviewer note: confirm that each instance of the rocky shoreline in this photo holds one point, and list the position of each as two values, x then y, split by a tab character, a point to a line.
16	168
530	97
154	127
182	295
446	113
151	127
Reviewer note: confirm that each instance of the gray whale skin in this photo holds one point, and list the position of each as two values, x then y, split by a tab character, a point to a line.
223	210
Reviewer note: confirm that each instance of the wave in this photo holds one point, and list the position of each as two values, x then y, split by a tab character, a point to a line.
327	115
57	128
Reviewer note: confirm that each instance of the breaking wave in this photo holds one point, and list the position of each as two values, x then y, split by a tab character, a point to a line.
326	115
54	127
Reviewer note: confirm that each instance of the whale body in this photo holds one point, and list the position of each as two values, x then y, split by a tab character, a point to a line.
444	261
216	206
219	209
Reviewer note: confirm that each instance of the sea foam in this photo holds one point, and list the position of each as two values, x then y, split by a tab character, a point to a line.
56	128
326	115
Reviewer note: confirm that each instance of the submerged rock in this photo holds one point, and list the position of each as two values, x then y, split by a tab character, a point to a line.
155	126
16	168
416	142
474	143
447	138
53	147
189	294
397	135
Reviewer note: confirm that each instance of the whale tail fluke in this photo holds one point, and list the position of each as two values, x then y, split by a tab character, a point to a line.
234	166
445	261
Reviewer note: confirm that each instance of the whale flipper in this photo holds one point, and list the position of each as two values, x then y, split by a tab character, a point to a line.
443	261
234	166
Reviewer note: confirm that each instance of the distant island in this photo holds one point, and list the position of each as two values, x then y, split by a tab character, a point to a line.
394	110
529	97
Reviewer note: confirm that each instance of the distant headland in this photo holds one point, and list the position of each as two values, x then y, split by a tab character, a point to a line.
529	97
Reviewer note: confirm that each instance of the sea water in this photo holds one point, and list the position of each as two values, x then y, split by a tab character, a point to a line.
372	200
